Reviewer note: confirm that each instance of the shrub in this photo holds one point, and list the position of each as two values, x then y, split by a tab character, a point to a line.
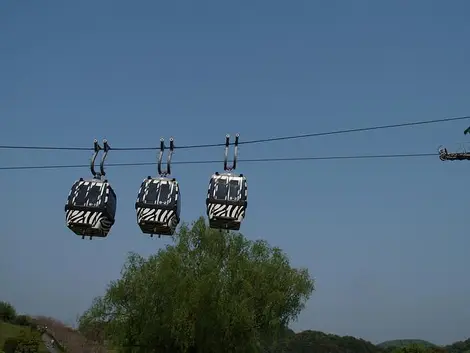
28	342
10	345
25	342
23	320
7	312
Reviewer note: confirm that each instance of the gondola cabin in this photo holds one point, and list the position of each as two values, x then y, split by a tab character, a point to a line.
226	201
91	208
158	206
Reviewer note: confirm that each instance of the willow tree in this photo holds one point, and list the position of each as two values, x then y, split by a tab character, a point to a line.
208	292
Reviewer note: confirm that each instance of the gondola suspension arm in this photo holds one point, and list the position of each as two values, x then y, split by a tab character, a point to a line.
160	157
235	157
106	149
97	148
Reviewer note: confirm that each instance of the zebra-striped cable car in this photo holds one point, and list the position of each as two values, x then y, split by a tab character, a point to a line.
91	205
227	194
158	202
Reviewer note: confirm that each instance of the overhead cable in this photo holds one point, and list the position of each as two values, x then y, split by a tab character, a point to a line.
264	140
259	160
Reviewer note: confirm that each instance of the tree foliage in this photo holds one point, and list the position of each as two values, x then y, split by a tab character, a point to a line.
28	342
459	347
24	320
320	342
7	312
25	342
419	348
10	344
208	292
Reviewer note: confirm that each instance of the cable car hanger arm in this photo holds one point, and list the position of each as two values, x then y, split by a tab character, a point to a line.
97	148
105	154
160	157
235	157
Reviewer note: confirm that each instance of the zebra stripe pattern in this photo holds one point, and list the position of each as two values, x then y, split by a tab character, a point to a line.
224	215
228	211
154	219
98	216
88	223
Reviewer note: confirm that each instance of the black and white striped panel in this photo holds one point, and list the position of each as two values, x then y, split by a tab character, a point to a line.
154	215
92	222
236	212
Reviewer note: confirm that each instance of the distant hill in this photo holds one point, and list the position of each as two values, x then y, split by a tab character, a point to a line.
320	342
405	342
459	347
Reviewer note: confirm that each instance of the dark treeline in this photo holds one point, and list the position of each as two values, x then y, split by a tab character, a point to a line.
319	342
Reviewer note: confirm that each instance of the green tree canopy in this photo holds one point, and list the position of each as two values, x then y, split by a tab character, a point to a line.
24	320
7	312
208	292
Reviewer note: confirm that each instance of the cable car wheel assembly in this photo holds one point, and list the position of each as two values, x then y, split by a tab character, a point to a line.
91	204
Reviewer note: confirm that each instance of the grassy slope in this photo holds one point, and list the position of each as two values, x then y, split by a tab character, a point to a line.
8	330
71	339
405	342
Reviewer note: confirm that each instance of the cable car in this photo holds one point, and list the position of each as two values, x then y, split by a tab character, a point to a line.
158	204
227	195
91	204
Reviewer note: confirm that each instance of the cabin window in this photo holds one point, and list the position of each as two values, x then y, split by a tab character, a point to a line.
234	190
87	195
158	194
150	194
220	189
165	197
79	195
94	195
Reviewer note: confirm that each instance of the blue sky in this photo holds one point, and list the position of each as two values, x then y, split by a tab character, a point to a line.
387	240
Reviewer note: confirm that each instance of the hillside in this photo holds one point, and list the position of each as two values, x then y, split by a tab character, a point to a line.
308	341
8	330
302	342
320	342
291	342
404	342
96	338
72	340
459	347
